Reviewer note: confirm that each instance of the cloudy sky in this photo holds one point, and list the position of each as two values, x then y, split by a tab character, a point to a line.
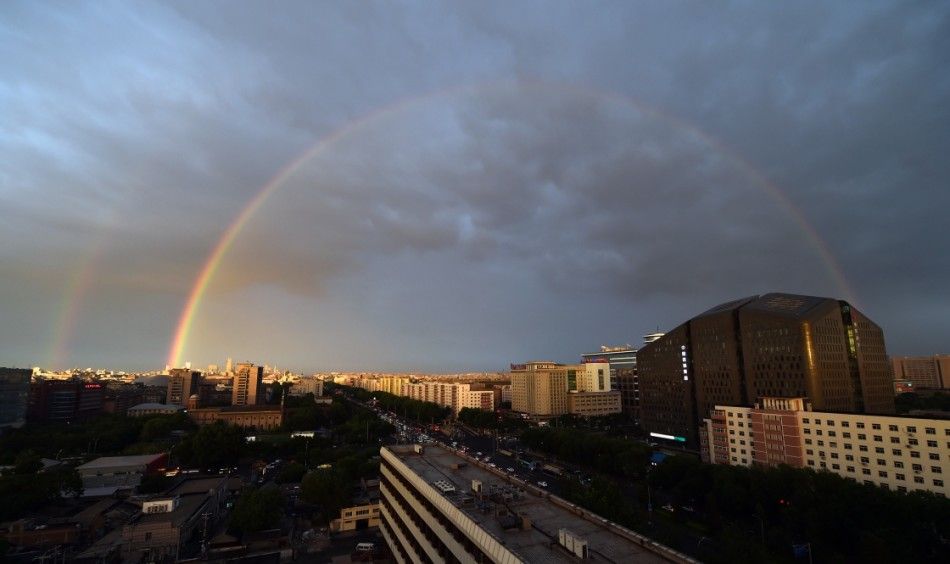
482	183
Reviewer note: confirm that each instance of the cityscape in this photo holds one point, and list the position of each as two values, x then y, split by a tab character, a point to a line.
516	282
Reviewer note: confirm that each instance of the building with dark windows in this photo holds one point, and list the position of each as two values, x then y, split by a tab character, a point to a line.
923	372
64	401
623	375
775	345
182	383
248	387
436	506
14	396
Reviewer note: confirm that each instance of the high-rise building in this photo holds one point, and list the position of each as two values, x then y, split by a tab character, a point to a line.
900	453
623	375
539	388
248	387
436	506
64	401
14	396
229	366
924	372
182	383
775	345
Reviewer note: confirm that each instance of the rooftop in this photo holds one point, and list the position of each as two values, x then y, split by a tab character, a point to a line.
443	469
113	461
156	406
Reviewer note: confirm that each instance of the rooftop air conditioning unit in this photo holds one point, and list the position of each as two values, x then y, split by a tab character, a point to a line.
574	544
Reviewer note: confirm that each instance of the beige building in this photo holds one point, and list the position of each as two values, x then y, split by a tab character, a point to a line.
539	388
306	386
928	372
900	453
356	518
594	404
452	395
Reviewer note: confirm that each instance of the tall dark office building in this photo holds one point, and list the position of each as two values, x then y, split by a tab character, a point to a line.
247	389
65	401
14	396
182	383
776	345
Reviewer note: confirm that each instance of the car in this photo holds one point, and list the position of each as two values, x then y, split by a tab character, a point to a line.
668	507
542	483
492	464
510	470
478	454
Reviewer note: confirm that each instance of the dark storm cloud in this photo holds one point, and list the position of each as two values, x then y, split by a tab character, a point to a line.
544	172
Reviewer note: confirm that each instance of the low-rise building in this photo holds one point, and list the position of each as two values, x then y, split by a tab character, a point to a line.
594	404
103	476
900	453
144	409
261	417
356	518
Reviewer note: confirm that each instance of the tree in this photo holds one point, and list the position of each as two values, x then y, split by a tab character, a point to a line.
291	472
326	488
213	446
257	510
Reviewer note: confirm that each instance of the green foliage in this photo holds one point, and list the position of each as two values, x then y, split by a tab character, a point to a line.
933	401
27	462
257	510
212	446
478	418
420	411
290	472
161	426
23	492
107	434
327	488
611	455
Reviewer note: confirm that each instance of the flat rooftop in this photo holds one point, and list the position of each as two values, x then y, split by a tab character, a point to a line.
117	461
606	541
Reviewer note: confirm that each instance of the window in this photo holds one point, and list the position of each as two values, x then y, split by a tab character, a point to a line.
881	462
809	452
912	442
834	455
934	456
833	445
821	443
805	421
865	460
914	454
817	421
932	444
831	433
850	468
917	468
938	483
936	470
849	457
895	440
876	426
811	462
866	471
930	430
896	452
847	446
862	437
878	439
846	435
859	425
911	429
898	464
807	441
845	424
831	423
899	476
892	427
863	448
879	450
807	431
835	467
882	474
818	431
918	479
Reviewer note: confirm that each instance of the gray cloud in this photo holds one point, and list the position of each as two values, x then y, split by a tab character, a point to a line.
541	178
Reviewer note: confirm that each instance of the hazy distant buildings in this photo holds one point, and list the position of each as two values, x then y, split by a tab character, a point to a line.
182	383
248	387
14	396
776	345
924	372
306	386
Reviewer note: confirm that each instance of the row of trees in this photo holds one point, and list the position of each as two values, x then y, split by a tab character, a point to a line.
414	410
751	514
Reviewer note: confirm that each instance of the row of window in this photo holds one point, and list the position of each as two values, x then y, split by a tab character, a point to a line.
881	474
877	426
879	450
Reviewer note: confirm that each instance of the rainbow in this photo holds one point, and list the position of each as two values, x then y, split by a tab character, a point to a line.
220	249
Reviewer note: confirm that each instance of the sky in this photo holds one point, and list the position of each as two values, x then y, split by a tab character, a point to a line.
460	185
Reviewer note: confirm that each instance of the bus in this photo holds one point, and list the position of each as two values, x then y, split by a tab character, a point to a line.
552	470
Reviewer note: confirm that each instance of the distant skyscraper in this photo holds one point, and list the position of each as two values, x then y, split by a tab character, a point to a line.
247	388
14	396
182	383
776	345
926	372
229	366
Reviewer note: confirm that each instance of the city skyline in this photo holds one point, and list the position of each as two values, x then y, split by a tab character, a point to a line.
439	188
